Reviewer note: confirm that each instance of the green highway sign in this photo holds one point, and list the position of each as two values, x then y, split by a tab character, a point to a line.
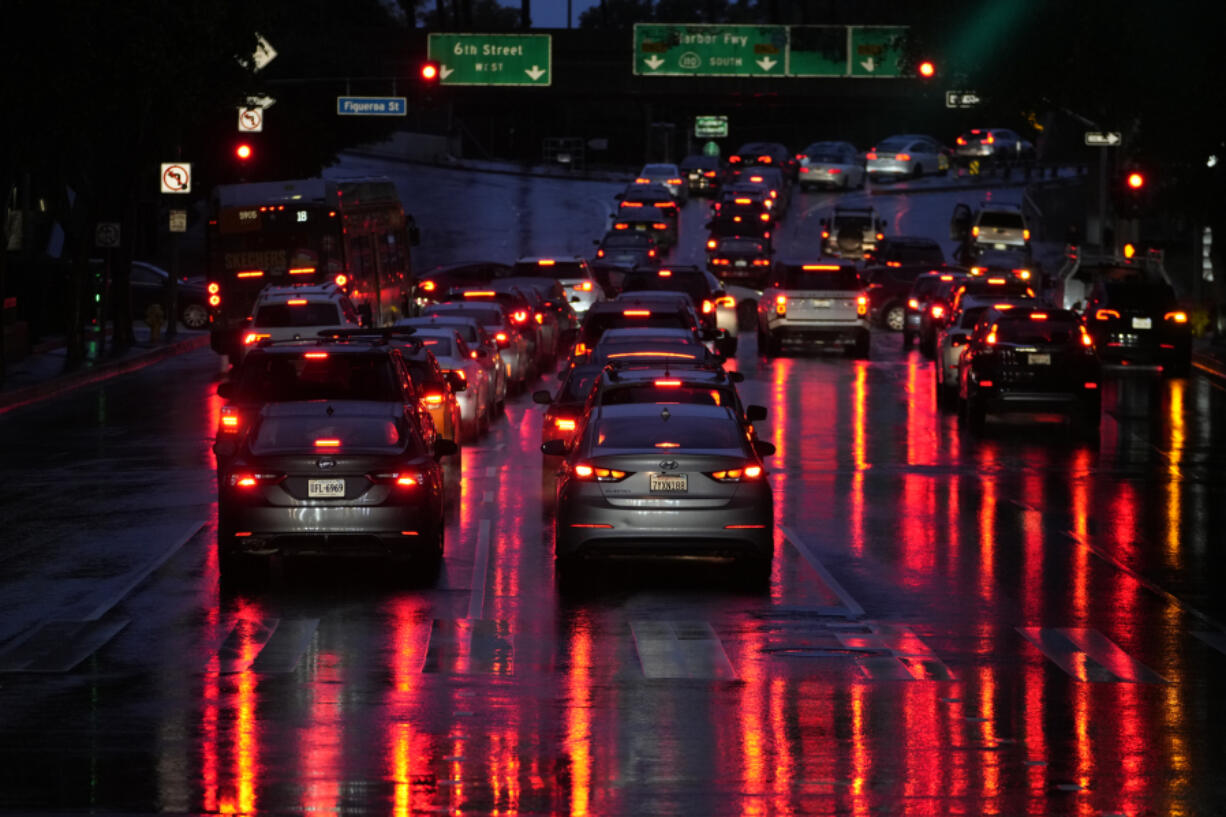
492	59
678	50
876	51
710	127
817	51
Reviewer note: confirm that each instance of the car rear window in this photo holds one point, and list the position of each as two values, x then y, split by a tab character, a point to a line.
893	145
852	222
562	270
652	393
658	170
282	378
1001	220
1025	330
843	278
741	245
668	434
277	316
486	316
441	347
1140	295
925	286
597	324
674	348
332	434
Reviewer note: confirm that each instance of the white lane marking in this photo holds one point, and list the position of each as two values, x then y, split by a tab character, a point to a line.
1215	640
1088	655
853	607
101	610
681	649
481	563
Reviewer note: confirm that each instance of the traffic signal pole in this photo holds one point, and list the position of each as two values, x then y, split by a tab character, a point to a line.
1102	199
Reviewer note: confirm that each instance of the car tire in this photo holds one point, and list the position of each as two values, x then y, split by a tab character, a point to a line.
894	317
194	316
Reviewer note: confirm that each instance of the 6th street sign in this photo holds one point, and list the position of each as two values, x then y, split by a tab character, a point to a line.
710	50
492	59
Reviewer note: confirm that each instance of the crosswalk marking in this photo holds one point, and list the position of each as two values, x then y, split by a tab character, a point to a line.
1090	656
680	649
59	646
470	647
910	659
285	648
243	644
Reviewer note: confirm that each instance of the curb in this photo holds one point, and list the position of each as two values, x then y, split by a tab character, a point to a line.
36	392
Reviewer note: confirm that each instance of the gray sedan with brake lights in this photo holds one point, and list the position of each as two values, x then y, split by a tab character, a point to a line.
664	480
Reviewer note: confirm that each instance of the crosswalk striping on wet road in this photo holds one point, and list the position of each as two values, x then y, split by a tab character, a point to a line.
908	659
1088	655
470	647
681	649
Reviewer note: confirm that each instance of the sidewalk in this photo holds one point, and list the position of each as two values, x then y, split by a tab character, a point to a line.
41	375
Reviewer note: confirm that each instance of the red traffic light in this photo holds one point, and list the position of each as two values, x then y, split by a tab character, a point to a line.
429	71
243	151
927	69
1136	180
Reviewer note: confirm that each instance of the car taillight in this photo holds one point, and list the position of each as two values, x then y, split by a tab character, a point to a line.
250	273
674	181
301	270
502	338
1105	314
961	141
742	201
872	154
667	384
401	479
765	216
937	310
1025	235
564	424
621	225
975	231
834	171
641	180
473	354
539	317
585	471
764	160
659	226
862	305
1038	316
825	234
720	262
297	301
584	286
632	204
712	243
342	280
707	306
519	316
230	418
600	253
428	286
651	253
636	313
736	474
991	140
328	442
252	338
433	400
726	301
991	338
315	355
913	304
253	479
902	157
781	304
580	348
761	262
1086	340
1177	317
459	373
880	236
710	174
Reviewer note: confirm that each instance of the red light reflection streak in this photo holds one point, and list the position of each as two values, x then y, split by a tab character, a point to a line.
242	799
1032	537
1174	485
859	453
922	421
212	415
321	745
1084	744
579	715
504	777
990	765
1081	489
861	751
209	765
402	769
924	784
987	523
1033	681
509	529
785	767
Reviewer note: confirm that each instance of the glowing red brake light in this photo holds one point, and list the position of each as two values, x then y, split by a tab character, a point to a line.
764	160
996	281
252	338
564	424
668	384
519	316
1038	316
482	293
248	273
637	313
903	157
991	140
297	301
665	273
342	279
316	355
302	271
872	154
328	442
1105	314
961	140
502	338
742	201
584	286
712	243
428	286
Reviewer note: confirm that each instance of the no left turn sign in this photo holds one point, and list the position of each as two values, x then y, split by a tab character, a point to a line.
176	177
250	120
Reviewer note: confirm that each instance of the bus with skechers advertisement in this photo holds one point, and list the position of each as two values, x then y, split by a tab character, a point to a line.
351	232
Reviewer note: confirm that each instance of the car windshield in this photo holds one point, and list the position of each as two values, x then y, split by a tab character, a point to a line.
844	221
667	433
338	434
893	145
284	377
842	279
277	316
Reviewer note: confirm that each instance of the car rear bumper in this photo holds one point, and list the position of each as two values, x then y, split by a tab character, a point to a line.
388	530
1005	401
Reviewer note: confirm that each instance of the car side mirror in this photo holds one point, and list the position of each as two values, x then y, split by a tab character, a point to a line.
554	448
225	390
457	383
543	397
755	413
444	448
763	449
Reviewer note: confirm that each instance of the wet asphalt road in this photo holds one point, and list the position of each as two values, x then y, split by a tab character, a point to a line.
1023	624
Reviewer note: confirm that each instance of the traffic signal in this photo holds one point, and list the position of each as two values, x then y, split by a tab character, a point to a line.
1132	193
244	152
429	72
927	69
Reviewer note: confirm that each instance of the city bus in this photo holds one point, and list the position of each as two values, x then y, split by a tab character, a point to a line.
352	232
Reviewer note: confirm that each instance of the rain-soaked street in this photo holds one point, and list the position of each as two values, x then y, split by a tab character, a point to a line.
1024	623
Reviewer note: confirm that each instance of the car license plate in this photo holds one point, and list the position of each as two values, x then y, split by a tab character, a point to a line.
822	303
998	246
1039	360
740	262
640	227
325	488
669	483
1142	323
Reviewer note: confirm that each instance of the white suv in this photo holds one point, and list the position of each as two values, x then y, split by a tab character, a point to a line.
1000	227
293	312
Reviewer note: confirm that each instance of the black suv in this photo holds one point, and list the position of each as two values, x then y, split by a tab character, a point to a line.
1136	318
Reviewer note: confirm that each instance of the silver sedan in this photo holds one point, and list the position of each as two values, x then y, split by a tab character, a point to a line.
831	164
664	480
907	156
